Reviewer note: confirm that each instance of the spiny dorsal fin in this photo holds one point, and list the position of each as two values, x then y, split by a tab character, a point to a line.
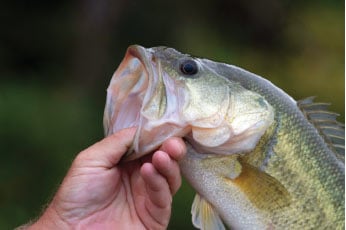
204	216
325	122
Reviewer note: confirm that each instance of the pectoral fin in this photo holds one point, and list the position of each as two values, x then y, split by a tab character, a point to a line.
204	216
264	191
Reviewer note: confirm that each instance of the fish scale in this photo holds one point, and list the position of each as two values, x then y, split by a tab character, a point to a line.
303	164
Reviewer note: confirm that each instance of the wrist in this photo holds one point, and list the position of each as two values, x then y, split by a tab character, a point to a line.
49	220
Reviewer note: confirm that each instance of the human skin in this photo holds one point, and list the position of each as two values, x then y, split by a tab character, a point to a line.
98	192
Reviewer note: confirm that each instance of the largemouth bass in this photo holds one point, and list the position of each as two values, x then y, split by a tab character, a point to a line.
257	158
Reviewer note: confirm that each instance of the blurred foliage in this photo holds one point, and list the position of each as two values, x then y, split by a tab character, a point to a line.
57	57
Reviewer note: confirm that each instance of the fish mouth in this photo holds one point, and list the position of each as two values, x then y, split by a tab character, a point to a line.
126	91
141	94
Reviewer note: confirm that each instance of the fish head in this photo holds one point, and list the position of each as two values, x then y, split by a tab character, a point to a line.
165	93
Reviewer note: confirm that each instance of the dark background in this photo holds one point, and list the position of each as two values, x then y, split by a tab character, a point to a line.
57	57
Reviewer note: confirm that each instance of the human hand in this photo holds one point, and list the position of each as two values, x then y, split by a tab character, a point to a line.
99	193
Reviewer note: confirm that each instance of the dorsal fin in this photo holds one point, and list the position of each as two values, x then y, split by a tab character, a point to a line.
325	122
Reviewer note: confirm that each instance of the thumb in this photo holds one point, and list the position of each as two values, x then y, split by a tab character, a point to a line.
107	152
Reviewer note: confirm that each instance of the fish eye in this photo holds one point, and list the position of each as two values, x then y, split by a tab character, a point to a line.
189	67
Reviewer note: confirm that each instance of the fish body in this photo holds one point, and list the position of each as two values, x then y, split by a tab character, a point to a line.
257	158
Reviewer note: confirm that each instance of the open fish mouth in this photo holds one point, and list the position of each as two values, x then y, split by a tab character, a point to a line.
141	94
126	92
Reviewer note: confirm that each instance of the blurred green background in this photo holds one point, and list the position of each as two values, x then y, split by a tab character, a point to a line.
57	57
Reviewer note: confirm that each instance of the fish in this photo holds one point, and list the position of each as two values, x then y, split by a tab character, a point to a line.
257	158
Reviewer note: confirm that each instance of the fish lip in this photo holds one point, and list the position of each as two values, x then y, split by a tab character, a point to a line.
141	54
